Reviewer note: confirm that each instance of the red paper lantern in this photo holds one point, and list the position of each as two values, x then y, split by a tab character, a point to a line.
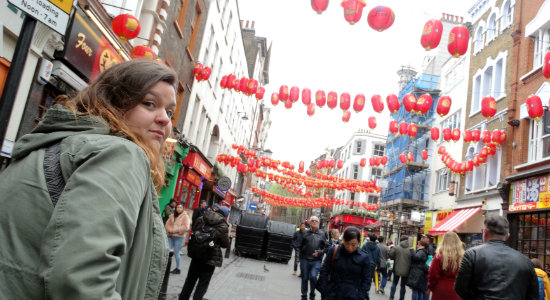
353	9
424	103
488	107
441	150
476	135
409	102
410	156
126	27
332	100
331	163
340	164
403	158
274	99
378	160
503	136
197	69
372	122
205	74
260	93
468	136
319	6
345	116
546	66
251	86
310	109
294	94
495	137
534	107
377	103
424	154
393	103
243	85
447	134
142	52
403	128
372	161
456	134
444	105
486	137
283	93
223	82
434	133
394	127
306	96
413	129
320	98
458	41
380	18
384	160
288	104
431	34
363	162
359	102
345	100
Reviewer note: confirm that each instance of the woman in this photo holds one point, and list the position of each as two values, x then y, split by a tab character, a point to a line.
334	237
418	274
103	238
445	264
177	225
346	274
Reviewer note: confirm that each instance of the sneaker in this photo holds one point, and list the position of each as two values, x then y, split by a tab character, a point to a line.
294	273
382	292
176	271
303	297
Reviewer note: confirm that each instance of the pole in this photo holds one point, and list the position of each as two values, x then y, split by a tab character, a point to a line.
13	79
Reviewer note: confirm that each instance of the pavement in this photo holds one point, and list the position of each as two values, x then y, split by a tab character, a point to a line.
243	278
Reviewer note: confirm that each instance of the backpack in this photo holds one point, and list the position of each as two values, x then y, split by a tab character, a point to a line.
201	242
541	288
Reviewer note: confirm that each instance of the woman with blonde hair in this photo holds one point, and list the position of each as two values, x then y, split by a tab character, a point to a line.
444	267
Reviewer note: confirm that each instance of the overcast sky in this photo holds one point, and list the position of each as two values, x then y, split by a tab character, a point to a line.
325	52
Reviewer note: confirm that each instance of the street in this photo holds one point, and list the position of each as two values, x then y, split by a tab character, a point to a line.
245	278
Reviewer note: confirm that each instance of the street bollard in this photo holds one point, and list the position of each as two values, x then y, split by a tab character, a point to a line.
228	249
164	286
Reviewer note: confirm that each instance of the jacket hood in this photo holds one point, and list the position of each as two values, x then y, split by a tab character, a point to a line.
404	244
371	245
58	123
540	273
213	218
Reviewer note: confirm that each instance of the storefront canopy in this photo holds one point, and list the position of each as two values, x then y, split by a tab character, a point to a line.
454	220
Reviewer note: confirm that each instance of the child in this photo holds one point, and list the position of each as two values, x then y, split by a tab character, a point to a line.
544	284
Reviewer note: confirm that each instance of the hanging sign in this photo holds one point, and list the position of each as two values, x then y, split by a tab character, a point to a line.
52	13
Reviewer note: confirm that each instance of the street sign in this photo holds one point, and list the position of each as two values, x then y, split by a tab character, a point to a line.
53	13
253	206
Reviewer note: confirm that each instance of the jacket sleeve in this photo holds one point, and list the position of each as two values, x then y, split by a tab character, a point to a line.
366	276
464	277
170	224
325	269
94	221
434	273
186	223
222	235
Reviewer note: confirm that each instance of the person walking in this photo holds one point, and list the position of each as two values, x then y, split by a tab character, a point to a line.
79	201
313	245
444	267
371	248
198	211
495	271
401	254
346	272
542	277
202	270
383	270
334	237
296	241
169	209
418	273
177	225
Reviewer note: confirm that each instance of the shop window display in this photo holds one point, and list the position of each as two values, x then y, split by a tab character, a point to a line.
534	236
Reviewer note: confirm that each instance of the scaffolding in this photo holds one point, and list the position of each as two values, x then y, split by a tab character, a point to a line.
408	184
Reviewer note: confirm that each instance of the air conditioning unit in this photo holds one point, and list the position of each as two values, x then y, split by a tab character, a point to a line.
62	72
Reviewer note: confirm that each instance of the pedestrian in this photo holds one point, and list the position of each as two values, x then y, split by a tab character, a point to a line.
383	270
202	270
401	254
346	272
198	211
177	225
444	267
390	261
495	271
542	277
102	170
371	248
313	245
427	239
168	209
334	236
418	273
296	241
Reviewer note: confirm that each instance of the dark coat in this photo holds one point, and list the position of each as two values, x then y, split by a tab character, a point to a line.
401	254
313	241
372	249
495	271
297	239
418	275
216	220
441	282
351	275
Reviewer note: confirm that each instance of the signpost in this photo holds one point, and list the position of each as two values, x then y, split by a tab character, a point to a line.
253	206
52	13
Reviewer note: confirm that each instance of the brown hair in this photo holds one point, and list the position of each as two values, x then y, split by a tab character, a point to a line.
536	262
117	90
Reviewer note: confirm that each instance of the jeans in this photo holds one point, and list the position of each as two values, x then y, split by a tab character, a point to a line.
197	271
419	294
384	275
296	258
394	287
175	243
310	270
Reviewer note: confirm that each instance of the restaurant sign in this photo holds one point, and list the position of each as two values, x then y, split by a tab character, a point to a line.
529	194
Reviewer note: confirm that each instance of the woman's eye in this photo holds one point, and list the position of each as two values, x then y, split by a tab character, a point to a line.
148	103
170	114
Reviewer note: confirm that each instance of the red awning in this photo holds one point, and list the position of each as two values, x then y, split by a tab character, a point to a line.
452	221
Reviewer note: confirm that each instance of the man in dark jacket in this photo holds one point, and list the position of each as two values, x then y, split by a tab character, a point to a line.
313	245
383	270
494	270
296	241
203	270
169	209
401	254
198	211
371	248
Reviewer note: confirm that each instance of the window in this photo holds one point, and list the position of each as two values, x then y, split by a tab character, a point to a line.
539	138
533	238
443	178
498	87
117	7
352	196
452	122
180	20
542	45
355	170
490	80
196	21
476	96
372	199
378	150
454	76
491	28
486	175
358	147
507	15
207	59
478	42
179	101
375	173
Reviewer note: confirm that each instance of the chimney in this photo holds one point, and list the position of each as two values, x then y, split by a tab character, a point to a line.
246	23
252	26
242	22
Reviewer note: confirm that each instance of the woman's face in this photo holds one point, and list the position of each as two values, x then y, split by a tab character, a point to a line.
351	245
179	209
151	118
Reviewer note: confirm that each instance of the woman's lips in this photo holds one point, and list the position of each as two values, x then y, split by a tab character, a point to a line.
158	133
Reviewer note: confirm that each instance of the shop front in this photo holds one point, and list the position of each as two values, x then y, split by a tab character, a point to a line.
173	154
196	170
466	222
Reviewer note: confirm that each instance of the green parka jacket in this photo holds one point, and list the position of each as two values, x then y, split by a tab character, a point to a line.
105	238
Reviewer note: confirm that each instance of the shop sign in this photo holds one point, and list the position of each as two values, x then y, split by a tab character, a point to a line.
195	161
442	214
529	194
53	13
86	49
218	191
193	177
428	222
